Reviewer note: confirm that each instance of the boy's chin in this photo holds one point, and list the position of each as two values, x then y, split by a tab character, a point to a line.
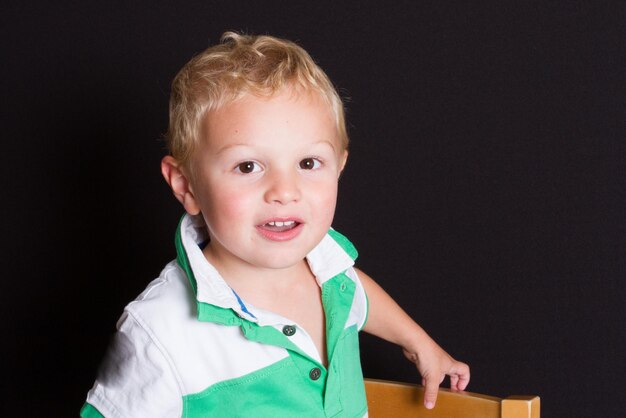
280	263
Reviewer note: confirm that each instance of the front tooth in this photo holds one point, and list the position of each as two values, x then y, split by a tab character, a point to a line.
289	223
278	223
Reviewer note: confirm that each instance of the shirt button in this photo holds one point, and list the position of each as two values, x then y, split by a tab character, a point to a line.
315	373
289	330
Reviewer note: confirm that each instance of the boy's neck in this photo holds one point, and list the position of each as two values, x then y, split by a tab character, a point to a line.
291	292
242	276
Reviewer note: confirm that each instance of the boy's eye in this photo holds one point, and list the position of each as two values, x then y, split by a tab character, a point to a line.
310	164
248	167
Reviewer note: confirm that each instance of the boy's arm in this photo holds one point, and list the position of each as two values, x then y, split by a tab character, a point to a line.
387	320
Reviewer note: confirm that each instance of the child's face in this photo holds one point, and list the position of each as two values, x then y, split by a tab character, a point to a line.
265	178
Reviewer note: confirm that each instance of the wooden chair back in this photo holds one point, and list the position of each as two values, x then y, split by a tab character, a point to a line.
398	400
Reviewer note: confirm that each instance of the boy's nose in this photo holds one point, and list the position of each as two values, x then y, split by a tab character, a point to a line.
283	188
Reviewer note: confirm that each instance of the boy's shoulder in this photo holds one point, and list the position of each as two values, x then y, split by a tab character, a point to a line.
166	312
168	296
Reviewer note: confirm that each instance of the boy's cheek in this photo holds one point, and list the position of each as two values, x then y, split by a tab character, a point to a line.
231	205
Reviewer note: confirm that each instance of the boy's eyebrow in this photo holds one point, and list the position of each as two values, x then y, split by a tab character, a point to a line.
326	141
229	146
244	144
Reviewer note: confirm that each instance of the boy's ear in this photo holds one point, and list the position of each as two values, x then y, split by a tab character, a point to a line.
180	184
342	161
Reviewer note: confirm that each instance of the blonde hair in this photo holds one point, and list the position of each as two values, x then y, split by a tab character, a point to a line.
239	65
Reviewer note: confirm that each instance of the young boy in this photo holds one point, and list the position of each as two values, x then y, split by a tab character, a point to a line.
260	312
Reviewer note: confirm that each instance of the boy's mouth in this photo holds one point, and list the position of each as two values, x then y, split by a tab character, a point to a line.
280	230
280	226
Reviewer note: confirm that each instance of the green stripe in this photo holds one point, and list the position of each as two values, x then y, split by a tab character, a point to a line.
344	243
270	335
88	411
278	390
337	296
222	316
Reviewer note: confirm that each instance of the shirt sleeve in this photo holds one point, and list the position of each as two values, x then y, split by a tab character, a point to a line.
136	378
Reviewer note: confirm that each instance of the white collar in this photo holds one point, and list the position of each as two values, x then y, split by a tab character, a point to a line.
326	260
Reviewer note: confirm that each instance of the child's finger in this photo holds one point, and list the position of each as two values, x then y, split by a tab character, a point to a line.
430	392
461	373
464	378
454	381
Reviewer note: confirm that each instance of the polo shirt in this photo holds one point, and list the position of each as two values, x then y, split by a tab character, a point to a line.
188	346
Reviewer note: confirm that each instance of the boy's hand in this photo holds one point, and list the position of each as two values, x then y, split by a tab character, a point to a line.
434	364
388	321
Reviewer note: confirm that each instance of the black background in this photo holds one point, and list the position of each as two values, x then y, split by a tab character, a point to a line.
485	188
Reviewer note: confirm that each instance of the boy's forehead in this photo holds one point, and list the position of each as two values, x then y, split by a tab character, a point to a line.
258	112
